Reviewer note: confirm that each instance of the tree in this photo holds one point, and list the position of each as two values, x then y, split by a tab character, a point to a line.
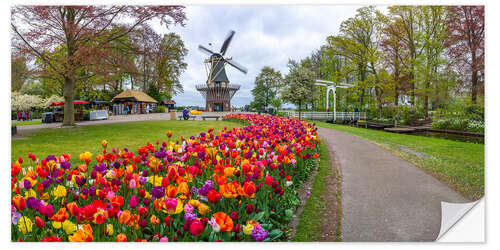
267	85
433	34
299	87
466	43
85	32
357	43
33	88
19	71
169	63
408	32
393	56
24	102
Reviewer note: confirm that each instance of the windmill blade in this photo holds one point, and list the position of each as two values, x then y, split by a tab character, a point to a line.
205	50
228	39
237	66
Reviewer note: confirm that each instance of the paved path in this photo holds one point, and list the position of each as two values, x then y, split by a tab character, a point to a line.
385	198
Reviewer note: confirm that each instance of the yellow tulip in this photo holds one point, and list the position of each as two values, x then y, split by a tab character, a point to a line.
25	225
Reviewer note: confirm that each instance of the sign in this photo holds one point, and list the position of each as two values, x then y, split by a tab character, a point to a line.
98	115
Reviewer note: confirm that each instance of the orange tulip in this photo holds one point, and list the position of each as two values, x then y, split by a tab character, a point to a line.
116	201
84	235
172	191
82	168
154	220
121	238
61	215
224	221
184	188
19	202
228	171
124	217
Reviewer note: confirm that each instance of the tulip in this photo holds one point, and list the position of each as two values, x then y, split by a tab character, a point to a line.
249	209
213	196
19	202
39	222
167	220
121	238
134	201
196	228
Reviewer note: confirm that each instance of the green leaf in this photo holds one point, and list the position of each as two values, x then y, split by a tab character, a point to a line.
259	216
274	234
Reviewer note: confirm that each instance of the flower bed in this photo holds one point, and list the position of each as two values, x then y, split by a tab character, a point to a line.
231	185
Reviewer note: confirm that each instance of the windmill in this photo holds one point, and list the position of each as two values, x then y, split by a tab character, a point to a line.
217	91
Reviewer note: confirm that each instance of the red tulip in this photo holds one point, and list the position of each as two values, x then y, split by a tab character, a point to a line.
196	228
39	222
213	196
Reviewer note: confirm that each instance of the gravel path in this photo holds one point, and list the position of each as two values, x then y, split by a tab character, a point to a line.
385	198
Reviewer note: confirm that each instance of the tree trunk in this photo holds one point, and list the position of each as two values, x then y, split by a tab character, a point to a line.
300	107
69	108
411	77
474	87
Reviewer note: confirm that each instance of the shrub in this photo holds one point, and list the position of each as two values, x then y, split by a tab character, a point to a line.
160	109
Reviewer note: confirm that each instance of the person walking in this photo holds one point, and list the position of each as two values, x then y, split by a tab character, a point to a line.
18	115
31	115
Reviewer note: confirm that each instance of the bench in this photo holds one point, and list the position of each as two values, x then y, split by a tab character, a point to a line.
180	117
216	117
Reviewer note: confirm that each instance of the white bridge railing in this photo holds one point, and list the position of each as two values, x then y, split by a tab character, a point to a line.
342	116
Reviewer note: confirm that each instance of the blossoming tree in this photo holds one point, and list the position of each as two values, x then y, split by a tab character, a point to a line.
84	34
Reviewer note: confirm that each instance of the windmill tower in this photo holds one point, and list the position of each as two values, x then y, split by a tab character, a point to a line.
217	91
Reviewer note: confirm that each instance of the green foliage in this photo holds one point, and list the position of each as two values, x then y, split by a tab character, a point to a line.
160	109
267	85
409	114
309	228
156	94
169	63
33	88
19	71
299	86
460	124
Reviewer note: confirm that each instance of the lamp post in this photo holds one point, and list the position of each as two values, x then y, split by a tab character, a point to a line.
331	86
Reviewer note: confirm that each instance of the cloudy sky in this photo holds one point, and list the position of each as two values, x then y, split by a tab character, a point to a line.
265	36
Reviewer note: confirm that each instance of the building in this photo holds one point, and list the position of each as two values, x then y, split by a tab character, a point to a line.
133	102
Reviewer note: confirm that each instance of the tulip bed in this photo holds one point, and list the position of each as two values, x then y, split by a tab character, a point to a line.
232	185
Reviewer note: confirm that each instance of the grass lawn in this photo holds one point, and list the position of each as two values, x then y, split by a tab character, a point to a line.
27	123
459	164
131	135
309	228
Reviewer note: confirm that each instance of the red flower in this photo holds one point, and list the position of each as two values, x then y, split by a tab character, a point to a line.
269	180
196	228
213	196
51	239
116	201
39	222
249	208
167	220
249	187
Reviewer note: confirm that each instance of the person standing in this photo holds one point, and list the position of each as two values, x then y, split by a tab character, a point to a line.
18	115
31	115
